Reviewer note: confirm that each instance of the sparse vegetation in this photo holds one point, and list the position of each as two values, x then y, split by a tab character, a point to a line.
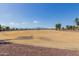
69	27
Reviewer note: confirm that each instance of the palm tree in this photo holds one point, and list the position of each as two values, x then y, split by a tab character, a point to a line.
58	26
77	21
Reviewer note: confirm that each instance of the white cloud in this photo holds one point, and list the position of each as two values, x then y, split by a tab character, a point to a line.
25	23
19	23
35	21
12	23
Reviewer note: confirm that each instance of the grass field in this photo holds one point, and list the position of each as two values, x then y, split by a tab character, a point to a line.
44	38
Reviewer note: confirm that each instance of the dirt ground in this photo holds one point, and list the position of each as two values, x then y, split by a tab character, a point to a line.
44	38
64	40
29	50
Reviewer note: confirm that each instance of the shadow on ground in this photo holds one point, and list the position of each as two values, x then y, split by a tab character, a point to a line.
4	42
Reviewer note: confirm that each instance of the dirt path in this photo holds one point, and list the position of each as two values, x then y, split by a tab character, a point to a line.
28	50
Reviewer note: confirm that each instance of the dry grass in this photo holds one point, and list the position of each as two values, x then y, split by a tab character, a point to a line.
45	38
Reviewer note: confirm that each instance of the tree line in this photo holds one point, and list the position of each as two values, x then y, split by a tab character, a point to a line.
5	28
58	26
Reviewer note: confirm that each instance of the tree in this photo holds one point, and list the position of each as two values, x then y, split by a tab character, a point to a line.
0	28
58	26
73	27
70	27
63	28
67	27
7	28
77	21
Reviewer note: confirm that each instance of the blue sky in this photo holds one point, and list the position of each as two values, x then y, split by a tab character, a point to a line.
38	15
